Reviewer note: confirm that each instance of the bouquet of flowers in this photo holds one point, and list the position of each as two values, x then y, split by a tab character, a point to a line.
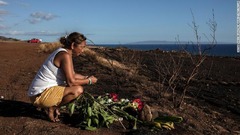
96	112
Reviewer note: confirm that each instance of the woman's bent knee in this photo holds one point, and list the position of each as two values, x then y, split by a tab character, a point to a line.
75	90
78	91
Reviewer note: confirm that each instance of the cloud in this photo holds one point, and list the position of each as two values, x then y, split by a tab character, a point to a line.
36	33
40	16
2	3
2	27
3	12
34	20
24	5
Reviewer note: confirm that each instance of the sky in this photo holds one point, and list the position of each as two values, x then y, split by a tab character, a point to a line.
118	21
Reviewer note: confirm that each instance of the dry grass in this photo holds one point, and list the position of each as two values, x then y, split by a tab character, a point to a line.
107	62
49	47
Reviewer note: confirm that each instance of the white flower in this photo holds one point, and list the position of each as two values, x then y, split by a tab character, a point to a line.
120	119
123	100
135	105
109	101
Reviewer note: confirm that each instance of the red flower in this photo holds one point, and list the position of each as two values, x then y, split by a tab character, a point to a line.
114	96
139	102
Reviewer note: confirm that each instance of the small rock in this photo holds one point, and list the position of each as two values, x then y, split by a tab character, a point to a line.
220	129
146	114
223	83
236	132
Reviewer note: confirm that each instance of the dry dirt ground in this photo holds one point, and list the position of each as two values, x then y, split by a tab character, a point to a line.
212	104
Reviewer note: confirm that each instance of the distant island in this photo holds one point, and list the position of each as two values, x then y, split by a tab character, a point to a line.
153	42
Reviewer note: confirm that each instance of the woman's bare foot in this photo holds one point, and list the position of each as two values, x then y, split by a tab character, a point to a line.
53	113
57	113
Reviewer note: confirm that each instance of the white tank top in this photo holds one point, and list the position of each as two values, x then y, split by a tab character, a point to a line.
49	75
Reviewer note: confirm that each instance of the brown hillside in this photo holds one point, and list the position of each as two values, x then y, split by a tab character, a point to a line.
212	104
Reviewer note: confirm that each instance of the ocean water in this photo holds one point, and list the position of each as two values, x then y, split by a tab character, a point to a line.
219	50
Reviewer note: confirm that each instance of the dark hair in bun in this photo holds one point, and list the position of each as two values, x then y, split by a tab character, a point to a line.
74	37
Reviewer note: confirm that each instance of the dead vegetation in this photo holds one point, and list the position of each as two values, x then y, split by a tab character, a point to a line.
49	47
210	107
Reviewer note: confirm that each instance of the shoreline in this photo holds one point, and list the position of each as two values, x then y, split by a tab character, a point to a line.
218	51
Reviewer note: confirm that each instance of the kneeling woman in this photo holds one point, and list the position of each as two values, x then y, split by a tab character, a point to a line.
56	83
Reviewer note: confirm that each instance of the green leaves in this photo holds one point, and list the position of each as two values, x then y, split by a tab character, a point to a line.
174	119
94	113
89	111
71	108
167	122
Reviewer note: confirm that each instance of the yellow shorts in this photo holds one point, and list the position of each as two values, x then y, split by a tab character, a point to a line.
50	97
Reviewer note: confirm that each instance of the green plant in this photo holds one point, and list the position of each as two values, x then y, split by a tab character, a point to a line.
94	113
